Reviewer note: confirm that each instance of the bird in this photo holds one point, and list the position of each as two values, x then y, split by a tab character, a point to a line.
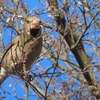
24	49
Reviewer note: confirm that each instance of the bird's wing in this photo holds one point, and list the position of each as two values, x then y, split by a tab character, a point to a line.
16	39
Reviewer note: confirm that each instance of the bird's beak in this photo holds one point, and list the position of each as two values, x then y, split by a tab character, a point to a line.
35	24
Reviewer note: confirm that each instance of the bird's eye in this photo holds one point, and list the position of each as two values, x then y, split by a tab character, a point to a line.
28	21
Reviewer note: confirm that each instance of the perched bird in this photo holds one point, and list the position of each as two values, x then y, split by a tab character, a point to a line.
23	51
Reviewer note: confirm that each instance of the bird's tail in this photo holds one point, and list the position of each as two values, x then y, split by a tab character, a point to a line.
3	75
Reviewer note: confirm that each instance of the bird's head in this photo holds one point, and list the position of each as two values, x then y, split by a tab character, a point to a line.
34	22
32	25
